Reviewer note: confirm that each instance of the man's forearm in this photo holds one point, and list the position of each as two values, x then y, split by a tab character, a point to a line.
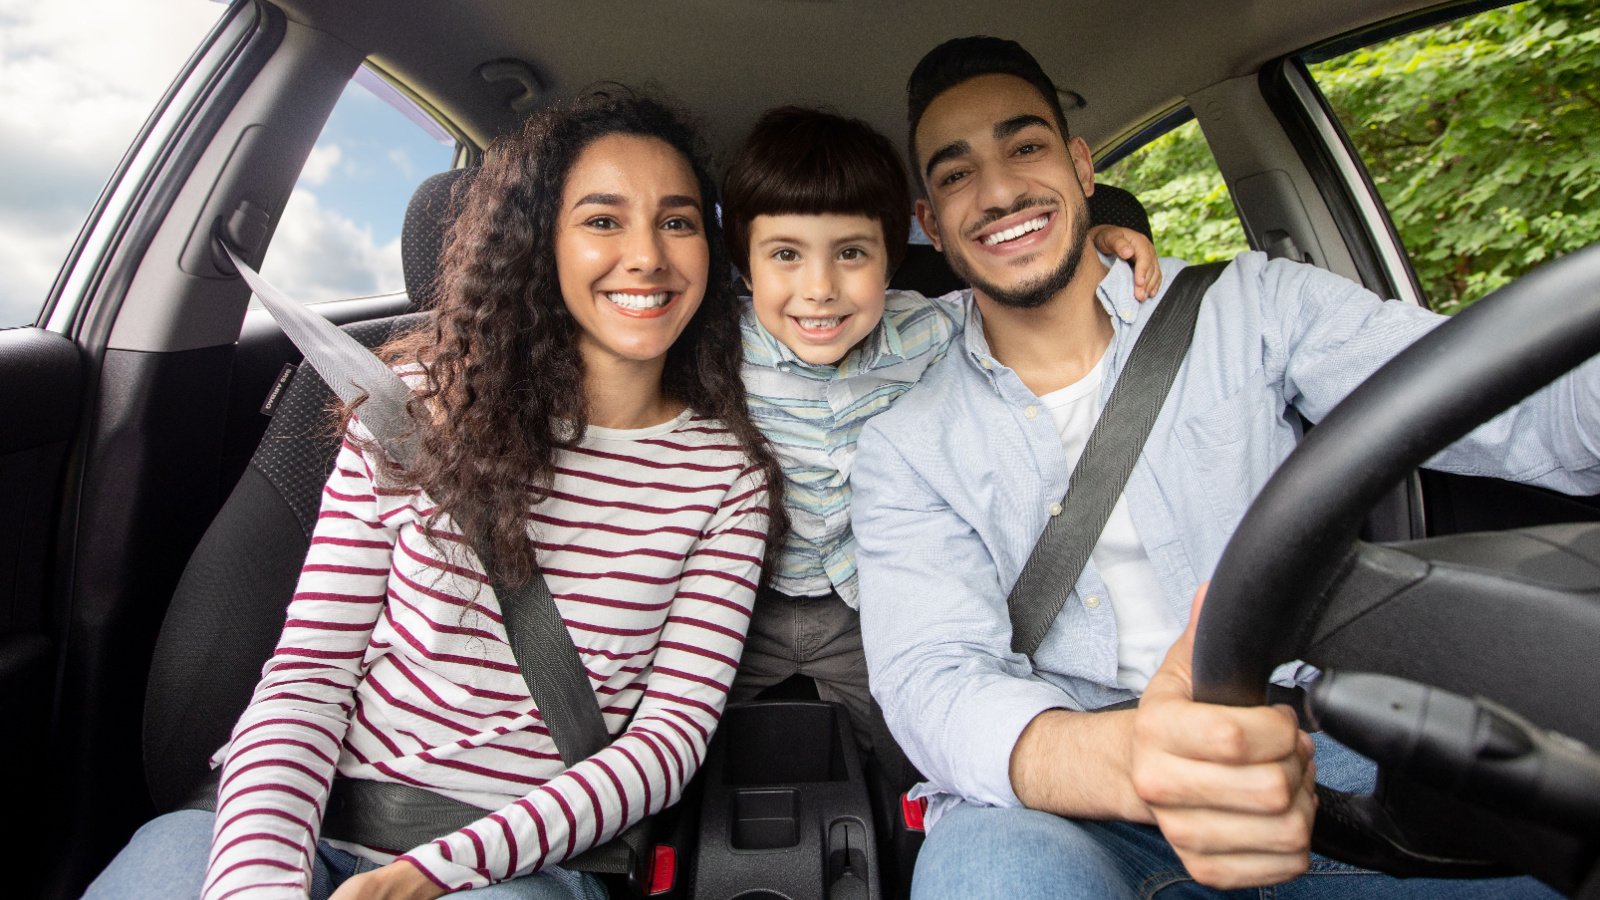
1078	764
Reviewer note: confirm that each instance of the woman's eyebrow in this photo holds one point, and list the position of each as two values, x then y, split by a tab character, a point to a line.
674	200
601	200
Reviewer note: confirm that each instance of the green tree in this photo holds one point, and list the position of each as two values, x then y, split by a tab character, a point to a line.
1475	133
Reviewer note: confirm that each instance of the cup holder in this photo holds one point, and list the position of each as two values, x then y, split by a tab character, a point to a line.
765	820
783	743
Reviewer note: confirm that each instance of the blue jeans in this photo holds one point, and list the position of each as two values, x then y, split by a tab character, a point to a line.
167	859
982	852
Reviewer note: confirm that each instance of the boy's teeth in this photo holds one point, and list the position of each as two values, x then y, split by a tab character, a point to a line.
1016	231
819	324
639	301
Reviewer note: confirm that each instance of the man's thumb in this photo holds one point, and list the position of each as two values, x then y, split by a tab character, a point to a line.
1181	656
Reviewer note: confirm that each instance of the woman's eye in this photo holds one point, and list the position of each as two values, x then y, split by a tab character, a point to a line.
603	223
679	223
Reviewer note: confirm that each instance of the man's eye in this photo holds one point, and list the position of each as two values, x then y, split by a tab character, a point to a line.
1029	149
951	178
603	223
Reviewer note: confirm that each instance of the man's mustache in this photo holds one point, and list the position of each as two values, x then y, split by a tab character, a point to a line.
995	215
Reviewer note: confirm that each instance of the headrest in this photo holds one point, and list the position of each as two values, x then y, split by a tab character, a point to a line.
422	236
1114	206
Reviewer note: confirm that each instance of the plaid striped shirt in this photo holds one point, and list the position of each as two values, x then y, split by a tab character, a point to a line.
813	415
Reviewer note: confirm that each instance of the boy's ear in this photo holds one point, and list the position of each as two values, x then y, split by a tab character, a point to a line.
929	222
747	285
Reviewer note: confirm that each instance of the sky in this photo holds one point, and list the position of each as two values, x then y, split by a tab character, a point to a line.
78	79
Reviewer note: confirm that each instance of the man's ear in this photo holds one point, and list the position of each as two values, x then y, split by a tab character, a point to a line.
929	222
1083	163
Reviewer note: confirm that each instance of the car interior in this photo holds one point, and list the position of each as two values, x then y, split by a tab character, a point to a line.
163	457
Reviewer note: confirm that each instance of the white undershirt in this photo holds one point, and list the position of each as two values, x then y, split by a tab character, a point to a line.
1146	624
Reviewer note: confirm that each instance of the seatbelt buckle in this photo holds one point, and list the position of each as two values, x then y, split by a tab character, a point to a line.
912	812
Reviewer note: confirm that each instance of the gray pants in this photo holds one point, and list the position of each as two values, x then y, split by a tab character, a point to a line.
819	637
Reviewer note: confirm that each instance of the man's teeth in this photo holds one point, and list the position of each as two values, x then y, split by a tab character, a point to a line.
639	301
820	324
1016	231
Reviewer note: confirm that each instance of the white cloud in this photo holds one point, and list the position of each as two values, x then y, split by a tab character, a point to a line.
319	254
402	161
77	79
320	164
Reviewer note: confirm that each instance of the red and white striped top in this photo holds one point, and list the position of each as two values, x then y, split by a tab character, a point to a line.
394	664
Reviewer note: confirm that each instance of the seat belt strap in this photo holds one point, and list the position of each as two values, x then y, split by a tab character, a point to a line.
539	638
1108	458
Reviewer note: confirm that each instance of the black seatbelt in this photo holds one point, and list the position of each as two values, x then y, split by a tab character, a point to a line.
1113	447
395	816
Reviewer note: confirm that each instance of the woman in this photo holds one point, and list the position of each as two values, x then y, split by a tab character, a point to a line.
579	386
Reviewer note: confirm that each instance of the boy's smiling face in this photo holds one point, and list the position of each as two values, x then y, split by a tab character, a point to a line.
817	281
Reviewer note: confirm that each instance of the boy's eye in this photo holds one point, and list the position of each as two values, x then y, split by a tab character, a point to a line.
850	253
785	255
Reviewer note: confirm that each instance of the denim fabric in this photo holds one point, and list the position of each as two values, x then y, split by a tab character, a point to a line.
167	859
954	484
988	853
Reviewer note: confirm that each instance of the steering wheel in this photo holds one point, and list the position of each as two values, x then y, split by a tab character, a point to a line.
1513	617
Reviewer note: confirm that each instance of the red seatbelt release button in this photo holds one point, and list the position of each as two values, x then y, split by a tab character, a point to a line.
663	870
912	811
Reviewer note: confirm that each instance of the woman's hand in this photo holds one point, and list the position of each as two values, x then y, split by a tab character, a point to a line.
1125	243
399	880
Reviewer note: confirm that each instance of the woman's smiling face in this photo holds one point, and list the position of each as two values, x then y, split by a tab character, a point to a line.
631	249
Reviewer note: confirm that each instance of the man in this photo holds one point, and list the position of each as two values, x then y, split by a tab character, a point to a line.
1029	794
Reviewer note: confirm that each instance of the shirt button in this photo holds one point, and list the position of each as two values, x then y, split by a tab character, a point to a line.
1031	412
783	367
1055	509
1092	601
1127	314
987	364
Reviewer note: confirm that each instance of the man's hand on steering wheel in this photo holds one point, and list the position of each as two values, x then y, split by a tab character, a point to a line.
1233	789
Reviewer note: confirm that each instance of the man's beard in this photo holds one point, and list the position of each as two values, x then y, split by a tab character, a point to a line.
1031	295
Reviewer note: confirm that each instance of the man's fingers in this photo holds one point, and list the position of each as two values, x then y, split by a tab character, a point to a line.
1229	735
1266	788
1228	850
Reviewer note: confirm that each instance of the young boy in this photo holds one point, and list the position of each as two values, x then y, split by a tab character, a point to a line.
816	211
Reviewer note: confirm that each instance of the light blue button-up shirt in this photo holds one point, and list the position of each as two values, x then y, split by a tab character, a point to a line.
954	485
813	415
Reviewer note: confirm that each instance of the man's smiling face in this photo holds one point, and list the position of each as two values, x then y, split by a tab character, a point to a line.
1006	191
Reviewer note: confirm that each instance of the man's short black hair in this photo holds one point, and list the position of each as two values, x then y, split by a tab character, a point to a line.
960	60
809	162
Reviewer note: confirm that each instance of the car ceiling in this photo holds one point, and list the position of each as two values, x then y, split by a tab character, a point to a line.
727	60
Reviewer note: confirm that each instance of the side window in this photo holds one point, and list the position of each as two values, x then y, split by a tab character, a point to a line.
1176	178
1478	135
72	95
340	232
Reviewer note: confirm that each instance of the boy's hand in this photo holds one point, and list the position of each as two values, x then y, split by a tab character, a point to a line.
1232	788
1125	243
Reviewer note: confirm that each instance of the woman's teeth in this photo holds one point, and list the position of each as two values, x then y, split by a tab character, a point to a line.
639	301
820	324
1016	231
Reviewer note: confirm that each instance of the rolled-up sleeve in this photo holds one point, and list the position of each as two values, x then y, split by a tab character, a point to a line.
936	632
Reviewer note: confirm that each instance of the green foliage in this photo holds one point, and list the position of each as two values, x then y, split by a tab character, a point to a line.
1475	132
1191	212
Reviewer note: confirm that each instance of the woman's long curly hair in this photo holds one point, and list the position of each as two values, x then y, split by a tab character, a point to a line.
502	389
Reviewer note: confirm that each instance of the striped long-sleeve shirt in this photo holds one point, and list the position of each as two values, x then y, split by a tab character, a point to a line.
813	414
394	664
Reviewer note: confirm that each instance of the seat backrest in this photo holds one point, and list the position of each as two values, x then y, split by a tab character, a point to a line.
228	610
925	271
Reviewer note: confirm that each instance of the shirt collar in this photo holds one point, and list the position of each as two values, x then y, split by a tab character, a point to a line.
1115	293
